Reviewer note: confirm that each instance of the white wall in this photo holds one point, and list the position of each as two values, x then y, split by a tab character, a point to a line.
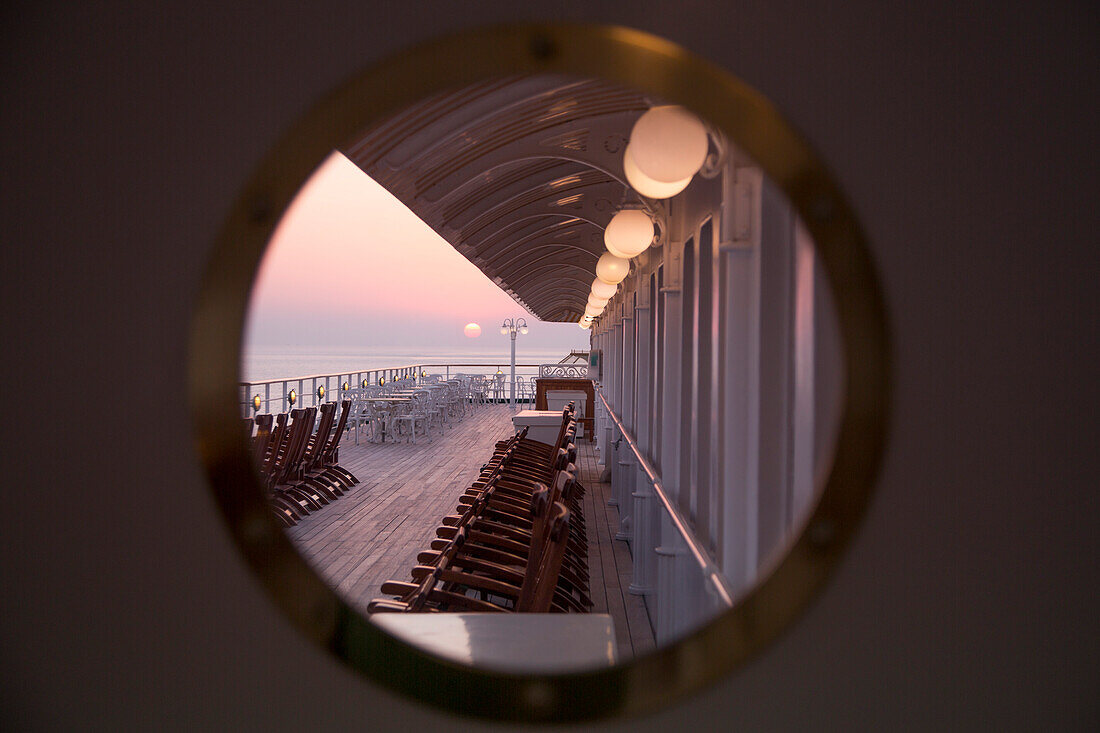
967	599
740	408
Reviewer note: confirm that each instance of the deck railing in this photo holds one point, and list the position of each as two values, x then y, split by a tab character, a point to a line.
684	585
564	371
273	393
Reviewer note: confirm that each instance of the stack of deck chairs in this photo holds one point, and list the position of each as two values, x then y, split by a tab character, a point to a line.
297	465
516	543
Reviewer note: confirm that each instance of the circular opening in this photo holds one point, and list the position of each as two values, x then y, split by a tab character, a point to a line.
735	113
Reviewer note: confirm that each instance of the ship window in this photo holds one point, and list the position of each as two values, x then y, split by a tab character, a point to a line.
741	363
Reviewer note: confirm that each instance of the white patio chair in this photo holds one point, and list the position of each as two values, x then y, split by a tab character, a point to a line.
414	412
369	414
478	391
455	399
436	408
499	390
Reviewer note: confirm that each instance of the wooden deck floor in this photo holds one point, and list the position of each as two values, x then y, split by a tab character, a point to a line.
373	533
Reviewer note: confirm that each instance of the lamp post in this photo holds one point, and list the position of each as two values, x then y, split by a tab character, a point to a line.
511	327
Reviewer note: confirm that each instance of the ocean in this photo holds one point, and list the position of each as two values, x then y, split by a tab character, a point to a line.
259	364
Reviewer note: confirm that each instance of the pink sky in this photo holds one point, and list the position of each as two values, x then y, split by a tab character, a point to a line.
377	275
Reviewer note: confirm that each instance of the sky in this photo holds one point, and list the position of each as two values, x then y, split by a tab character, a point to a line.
377	276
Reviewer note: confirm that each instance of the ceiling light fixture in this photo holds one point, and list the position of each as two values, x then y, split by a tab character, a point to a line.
629	233
611	269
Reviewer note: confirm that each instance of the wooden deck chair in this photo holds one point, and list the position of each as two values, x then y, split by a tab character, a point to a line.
311	458
538	588
515	529
536	463
287	512
262	440
511	508
522	479
413	597
285	478
504	536
331	455
494	542
520	487
482	558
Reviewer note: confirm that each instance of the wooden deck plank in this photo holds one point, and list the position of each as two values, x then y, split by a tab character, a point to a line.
373	533
604	528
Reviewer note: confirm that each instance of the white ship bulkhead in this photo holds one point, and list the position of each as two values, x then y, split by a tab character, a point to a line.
712	354
962	137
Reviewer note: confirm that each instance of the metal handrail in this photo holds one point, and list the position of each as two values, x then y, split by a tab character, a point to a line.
347	372
390	372
702	556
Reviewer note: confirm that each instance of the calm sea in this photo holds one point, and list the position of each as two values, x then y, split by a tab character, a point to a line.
283	363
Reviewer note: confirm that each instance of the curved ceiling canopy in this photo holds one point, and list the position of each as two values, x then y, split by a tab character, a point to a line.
520	174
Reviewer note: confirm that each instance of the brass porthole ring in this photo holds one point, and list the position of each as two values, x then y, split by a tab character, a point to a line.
633	59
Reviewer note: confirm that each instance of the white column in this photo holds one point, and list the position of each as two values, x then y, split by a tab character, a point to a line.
643	542
776	317
740	386
623	487
626	372
671	426
644	383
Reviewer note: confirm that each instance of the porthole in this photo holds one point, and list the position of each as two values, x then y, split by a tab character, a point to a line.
656	67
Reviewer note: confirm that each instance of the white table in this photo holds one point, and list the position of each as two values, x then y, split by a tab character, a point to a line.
557	399
510	642
542	425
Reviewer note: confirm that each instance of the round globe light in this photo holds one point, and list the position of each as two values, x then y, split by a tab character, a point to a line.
647	186
603	290
612	269
472	330
669	143
585	324
597	302
593	310
629	233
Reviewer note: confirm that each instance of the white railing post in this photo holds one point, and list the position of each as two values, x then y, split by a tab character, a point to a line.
599	437
668	558
623	478
608	438
642	545
612	469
